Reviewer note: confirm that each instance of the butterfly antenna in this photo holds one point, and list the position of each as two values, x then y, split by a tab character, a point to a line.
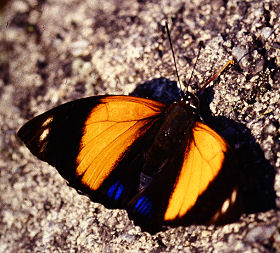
230	62
173	55
196	60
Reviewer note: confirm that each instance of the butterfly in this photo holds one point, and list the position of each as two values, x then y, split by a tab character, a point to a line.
159	162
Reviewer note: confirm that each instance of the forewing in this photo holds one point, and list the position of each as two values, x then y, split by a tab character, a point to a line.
87	139
206	187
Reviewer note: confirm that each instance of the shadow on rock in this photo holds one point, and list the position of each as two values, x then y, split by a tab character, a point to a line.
257	187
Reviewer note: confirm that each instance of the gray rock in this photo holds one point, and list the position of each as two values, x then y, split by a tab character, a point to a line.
57	51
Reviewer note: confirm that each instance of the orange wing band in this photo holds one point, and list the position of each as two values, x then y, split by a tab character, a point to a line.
110	129
202	163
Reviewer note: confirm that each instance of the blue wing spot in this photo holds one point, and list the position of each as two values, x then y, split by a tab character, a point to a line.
112	189
119	192
115	190
148	209
139	202
143	206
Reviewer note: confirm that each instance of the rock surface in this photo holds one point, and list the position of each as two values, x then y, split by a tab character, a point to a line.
56	51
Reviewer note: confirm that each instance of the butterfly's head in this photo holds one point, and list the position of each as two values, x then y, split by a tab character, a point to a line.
191	100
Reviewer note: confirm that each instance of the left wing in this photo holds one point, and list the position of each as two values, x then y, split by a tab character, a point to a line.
88	138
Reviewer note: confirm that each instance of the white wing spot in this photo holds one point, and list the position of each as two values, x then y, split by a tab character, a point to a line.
225	206
44	135
233	196
227	203
47	121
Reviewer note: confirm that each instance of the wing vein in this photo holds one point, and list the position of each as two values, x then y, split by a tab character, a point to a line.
111	143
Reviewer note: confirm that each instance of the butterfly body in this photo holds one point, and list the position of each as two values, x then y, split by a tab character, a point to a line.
171	137
158	162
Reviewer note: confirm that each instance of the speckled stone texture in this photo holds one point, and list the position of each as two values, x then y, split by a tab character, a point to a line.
56	51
